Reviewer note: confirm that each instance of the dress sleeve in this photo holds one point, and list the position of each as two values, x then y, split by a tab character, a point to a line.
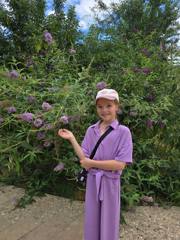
85	144
125	148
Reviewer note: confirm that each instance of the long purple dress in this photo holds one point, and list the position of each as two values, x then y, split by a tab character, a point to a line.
102	201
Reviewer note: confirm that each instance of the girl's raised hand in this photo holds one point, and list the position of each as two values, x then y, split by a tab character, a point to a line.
66	134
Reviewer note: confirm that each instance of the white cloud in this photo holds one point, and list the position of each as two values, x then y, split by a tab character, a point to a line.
48	12
84	10
4	3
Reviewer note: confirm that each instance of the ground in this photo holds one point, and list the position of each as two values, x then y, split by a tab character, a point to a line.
57	218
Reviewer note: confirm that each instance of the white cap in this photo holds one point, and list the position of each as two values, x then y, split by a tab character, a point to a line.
110	94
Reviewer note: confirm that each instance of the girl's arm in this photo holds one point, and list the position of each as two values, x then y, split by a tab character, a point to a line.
77	148
68	135
105	165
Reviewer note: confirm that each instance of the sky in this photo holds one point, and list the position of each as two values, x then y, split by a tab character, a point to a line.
83	10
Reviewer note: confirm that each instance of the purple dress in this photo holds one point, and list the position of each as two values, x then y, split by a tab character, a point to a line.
102	201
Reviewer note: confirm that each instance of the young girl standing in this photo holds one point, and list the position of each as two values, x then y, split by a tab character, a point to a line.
102	200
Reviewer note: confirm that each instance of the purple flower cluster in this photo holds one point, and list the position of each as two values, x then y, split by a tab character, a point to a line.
144	70
64	119
72	51
149	123
41	135
13	74
31	99
161	124
48	37
47	144
46	106
59	167
101	85
38	122
74	118
27	117
48	126
11	109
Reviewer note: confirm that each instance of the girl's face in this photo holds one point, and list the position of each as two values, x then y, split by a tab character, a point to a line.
106	110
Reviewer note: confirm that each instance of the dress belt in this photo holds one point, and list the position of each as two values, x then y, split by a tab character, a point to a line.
99	174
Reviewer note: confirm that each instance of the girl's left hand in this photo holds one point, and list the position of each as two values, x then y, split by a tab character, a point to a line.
86	163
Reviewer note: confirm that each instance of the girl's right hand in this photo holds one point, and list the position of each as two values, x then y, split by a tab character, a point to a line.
66	134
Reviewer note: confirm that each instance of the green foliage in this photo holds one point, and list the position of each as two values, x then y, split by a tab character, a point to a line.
22	25
53	78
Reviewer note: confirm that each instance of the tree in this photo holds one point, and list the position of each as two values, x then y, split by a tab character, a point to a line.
22	21
63	27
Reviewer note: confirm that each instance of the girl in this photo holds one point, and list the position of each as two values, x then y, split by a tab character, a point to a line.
102	200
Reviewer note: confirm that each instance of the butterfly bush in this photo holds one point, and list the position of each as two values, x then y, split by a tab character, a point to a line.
13	74
31	99
38	122
59	92
101	85
48	37
59	167
46	106
11	110
64	119
27	117
72	51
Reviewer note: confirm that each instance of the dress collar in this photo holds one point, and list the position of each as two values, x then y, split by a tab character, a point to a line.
114	124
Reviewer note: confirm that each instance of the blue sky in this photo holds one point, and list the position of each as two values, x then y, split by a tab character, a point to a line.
83	10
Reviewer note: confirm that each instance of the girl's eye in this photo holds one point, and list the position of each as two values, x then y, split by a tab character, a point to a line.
108	106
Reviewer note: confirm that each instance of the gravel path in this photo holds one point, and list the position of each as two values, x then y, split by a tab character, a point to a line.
57	218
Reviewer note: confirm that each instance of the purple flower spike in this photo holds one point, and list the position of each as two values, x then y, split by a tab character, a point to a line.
64	119
11	110
46	106
48	126
146	70
13	74
27	117
47	144
48	37
101	85
59	167
161	124
31	99
149	123
72	51
38	122
41	135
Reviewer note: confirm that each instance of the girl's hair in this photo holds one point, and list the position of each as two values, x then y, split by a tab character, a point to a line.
120	115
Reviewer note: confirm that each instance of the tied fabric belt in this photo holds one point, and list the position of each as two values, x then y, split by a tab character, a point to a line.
99	174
